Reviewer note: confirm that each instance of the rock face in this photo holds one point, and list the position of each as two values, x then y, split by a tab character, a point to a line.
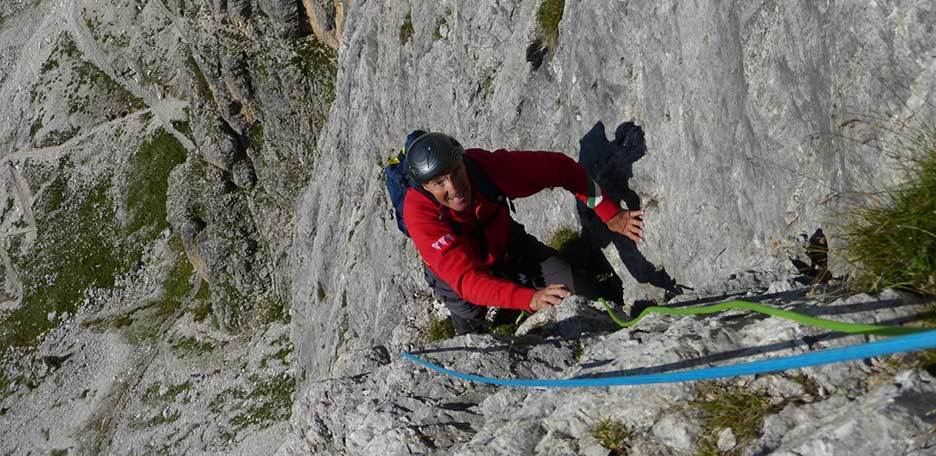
737	126
752	123
190	189
397	407
151	152
326	18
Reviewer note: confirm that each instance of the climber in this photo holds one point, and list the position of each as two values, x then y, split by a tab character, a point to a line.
457	210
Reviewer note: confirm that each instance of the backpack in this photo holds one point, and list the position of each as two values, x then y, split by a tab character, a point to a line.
398	183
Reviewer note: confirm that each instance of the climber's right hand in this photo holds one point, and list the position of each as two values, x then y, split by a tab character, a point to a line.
552	295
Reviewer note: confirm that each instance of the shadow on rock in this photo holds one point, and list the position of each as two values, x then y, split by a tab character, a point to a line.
704	361
610	163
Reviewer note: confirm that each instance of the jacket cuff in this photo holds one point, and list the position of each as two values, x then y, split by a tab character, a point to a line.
521	298
607	209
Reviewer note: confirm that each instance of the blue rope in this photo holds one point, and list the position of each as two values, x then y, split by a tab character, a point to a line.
900	344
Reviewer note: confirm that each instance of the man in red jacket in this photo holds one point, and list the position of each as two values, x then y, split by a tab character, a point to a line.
476	255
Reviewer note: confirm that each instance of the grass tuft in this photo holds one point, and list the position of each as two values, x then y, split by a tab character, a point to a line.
202	306
563	239
202	88
548	16
148	182
440	22
731	407
505	329
78	253
406	30
893	244
440	330
612	435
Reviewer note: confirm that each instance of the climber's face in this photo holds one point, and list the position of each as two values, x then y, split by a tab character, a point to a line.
452	188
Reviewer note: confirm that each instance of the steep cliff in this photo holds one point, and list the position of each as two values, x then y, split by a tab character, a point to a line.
198	256
755	122
151	153
739	127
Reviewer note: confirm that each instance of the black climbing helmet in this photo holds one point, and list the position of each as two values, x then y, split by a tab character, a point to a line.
430	155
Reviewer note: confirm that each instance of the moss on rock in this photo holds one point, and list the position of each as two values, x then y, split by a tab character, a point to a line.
148	181
78	251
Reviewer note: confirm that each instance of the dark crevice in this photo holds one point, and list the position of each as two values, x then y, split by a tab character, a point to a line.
304	27
536	53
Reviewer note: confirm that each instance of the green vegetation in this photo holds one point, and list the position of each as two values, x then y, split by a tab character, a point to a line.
202	306
270	401
274	309
631	74
148	181
152	393
144	324
78	253
733	407
182	126
190	345
35	127
320	293
437	34
162	418
578	349
894	244
505	329
612	435
282	355
153	398
114	92
440	330
406	30
585	258
56	138
64	47
104	95
49	65
318	62
202	88
486	86
147	184
256	135
563	239
925	360
548	16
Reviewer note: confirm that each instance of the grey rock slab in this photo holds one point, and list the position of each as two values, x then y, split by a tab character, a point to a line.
85	85
739	105
726	440
674	432
897	415
357	414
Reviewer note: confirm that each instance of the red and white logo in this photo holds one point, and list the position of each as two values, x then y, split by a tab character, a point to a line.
443	242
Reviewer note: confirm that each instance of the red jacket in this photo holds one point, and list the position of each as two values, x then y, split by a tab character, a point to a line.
458	259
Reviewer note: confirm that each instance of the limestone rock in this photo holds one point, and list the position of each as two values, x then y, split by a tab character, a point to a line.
726	440
403	407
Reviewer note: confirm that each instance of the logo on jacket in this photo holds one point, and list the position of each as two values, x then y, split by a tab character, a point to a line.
443	242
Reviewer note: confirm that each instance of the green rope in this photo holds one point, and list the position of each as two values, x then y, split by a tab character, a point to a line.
831	325
520	318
